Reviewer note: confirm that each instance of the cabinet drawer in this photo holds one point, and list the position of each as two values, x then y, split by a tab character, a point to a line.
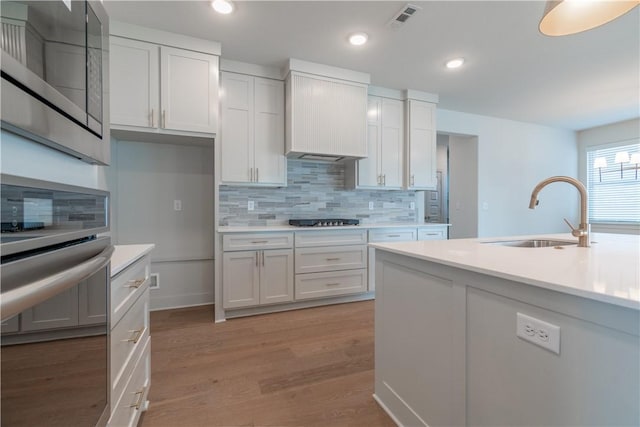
392	235
330	258
432	234
133	400
250	242
127	341
127	286
305	239
321	285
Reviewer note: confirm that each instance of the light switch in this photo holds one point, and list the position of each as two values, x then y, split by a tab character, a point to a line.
177	205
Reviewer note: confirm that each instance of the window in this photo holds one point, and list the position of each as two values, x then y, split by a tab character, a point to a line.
613	183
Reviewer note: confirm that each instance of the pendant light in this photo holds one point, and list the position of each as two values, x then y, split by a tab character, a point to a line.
566	17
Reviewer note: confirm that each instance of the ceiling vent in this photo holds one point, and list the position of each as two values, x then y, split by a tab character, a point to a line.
403	16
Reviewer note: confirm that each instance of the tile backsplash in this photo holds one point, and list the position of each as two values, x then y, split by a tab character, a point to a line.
315	190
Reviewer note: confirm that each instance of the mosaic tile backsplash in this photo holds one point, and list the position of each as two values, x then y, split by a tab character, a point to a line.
315	190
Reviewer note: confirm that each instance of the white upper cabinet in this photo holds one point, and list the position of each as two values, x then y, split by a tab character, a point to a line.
188	84
326	112
385	137
420	173
252	131
135	84
159	89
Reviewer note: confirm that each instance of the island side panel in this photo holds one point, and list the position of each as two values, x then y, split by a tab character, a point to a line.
417	330
593	381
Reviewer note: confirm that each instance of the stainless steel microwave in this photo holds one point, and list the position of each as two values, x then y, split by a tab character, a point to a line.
55	75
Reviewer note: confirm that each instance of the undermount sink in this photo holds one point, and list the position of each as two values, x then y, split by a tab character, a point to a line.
532	243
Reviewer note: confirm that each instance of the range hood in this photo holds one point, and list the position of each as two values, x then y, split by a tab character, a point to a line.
326	112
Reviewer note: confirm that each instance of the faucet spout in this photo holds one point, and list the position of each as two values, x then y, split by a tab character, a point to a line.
582	231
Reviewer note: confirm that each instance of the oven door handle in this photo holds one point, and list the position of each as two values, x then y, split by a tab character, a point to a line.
17	300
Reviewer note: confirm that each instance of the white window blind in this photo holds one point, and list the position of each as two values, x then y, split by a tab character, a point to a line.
614	196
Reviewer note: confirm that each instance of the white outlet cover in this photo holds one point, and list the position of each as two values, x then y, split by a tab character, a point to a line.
538	332
251	205
177	205
370	206
412	206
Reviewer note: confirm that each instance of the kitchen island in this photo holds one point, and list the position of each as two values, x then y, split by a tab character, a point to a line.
466	332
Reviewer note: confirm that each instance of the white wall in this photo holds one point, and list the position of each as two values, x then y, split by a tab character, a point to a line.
24	157
512	158
145	180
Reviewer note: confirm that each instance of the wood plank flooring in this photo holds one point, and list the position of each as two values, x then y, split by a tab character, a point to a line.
311	367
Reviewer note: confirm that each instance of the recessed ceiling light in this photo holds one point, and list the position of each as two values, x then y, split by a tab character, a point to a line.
358	39
222	6
455	63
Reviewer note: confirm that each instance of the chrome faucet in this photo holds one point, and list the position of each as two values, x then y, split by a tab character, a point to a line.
582	232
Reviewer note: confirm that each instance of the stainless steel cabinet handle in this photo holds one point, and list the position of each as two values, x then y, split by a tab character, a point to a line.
379	179
384	180
135	283
333	259
433	234
140	395
263	258
257	259
393	235
251	173
333	284
257	174
19	299
413	180
164	119
260	241
136	335
152	114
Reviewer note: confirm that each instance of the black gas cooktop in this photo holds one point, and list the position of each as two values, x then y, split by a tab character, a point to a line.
323	222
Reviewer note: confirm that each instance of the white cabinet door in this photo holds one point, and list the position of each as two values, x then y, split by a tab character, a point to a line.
369	168
392	143
134	72
269	160
189	87
240	279
421	146
57	312
236	132
276	276
327	116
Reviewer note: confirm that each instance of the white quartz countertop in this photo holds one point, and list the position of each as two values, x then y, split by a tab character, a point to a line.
608	271
267	228
125	255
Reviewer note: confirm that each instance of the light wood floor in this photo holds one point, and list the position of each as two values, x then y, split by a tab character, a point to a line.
311	367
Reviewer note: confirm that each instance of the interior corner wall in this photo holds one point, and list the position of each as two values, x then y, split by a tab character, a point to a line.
512	158
463	187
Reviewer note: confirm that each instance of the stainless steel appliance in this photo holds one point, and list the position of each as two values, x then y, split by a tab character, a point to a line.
323	222
54	304
55	75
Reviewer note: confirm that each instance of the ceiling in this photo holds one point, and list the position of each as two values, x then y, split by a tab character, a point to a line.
511	70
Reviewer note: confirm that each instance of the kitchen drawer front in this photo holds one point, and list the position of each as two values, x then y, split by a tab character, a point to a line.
133	400
127	286
432	233
305	239
127	341
392	235
331	258
252	242
322	285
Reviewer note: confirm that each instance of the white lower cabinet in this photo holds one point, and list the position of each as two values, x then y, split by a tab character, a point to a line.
253	278
130	343
328	264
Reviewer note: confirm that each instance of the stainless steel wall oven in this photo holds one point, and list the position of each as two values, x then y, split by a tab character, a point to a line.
55	75
54	304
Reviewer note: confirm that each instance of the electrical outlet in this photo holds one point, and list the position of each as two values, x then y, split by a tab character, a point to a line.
412	206
538	332
177	205
251	205
370	206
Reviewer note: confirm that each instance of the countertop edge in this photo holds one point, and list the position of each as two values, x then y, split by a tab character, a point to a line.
125	255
